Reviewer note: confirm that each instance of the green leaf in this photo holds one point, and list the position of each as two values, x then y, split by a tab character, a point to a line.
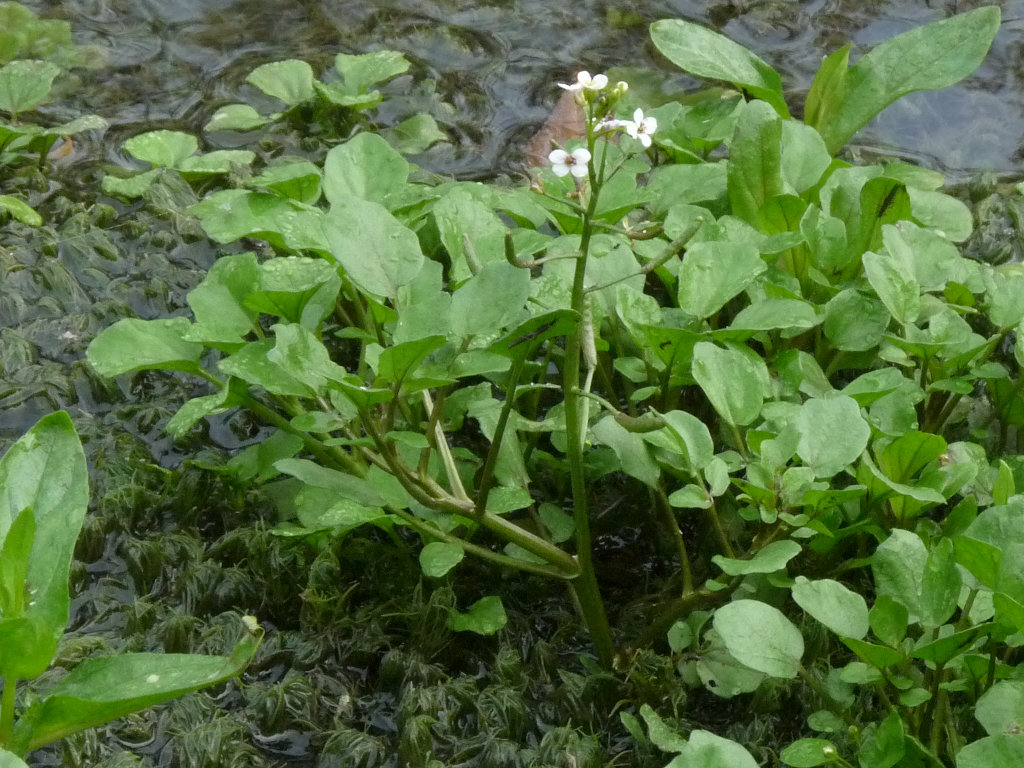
359	72
1001	708
760	637
20	211
297	289
162	148
808	753
357	489
772	313
946	648
379	253
690	437
834	605
769	559
714	272
44	472
439	557
888	620
485	617
755	158
14	562
366	168
731	381
291	81
631	450
855	322
928	58
805	158
10	760
397	363
898	567
415	134
218	301
235	117
662	735
232	214
100	690
252	364
707	750
136	345
878	656
704	53
690	497
940	585
1003	487
833	434
219	161
24	84
491	300
894	282
1003	749
884	745
982	559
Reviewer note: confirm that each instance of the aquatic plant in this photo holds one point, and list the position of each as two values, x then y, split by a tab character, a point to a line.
45	493
787	356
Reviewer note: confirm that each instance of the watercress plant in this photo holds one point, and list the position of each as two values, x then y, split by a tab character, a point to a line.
786	358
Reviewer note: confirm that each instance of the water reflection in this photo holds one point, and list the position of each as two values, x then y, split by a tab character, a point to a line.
495	63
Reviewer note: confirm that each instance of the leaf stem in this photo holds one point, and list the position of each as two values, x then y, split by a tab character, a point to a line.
7	710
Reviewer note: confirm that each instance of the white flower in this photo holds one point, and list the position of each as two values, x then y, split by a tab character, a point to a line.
641	127
585	82
563	162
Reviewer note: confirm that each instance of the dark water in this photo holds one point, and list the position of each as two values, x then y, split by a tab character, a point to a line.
496	63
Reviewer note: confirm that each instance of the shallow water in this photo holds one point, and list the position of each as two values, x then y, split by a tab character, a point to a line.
496	63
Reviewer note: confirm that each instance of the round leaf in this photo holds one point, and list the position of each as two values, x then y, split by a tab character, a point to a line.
832	434
1001	708
731	381
760	637
162	148
808	753
379	253
439	557
838	608
290	81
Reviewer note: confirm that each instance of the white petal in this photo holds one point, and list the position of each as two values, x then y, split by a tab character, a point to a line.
560	170
650	124
644	139
583	78
632	129
579	171
558	156
599	82
638	116
581	156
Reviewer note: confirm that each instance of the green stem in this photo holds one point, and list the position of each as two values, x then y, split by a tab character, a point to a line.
487	472
7	710
585	587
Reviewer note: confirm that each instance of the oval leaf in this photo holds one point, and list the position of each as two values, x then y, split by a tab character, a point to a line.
837	607
760	637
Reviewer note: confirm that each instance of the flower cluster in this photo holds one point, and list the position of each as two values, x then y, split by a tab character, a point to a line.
588	90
